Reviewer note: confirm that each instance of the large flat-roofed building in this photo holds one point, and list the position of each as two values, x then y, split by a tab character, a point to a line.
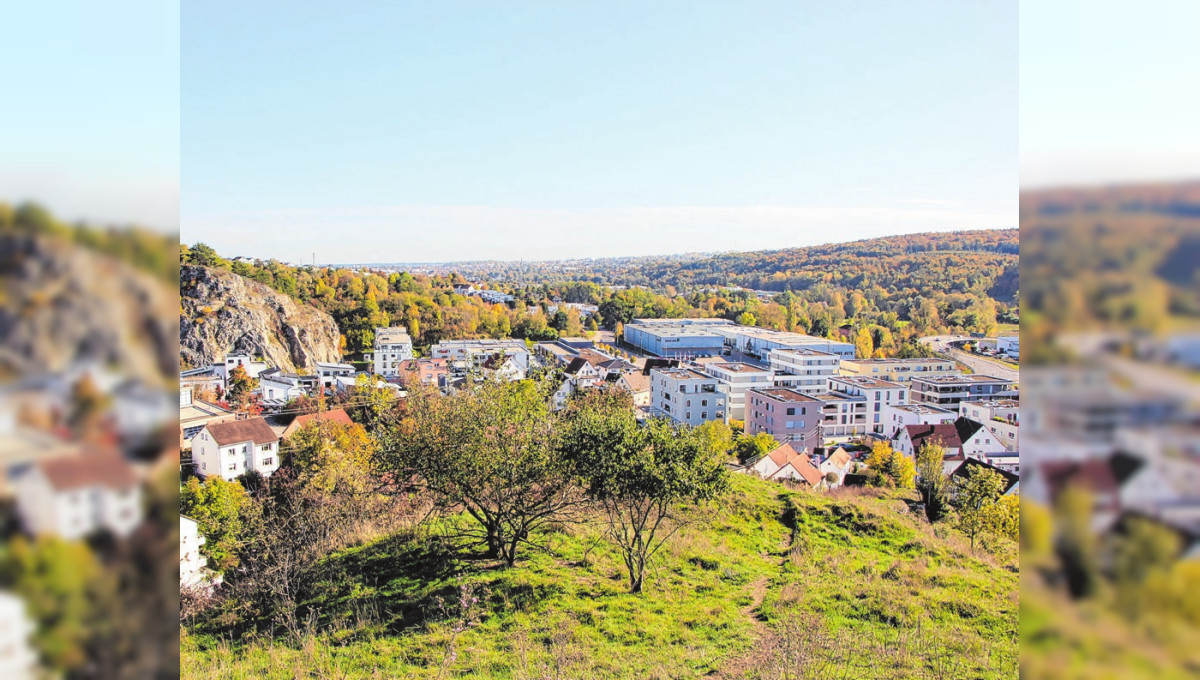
842	415
953	390
686	396
679	338
786	414
737	378
878	393
899	370
806	370
758	342
393	346
475	352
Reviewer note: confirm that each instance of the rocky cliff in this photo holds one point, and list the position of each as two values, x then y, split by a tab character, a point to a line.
61	304
221	312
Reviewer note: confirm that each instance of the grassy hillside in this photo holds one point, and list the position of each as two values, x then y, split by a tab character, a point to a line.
773	581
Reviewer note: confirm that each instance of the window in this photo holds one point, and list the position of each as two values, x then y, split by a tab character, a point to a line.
689	402
704	415
268	461
233	466
704	402
791	411
689	415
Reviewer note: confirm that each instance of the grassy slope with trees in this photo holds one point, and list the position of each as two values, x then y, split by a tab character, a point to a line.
775	580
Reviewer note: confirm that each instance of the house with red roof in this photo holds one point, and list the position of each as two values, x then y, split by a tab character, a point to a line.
964	438
231	449
75	496
337	415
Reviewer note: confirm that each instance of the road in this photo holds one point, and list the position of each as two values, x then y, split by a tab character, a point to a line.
1142	375
941	345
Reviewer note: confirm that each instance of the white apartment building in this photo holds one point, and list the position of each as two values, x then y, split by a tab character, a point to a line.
329	372
736	379
1002	417
245	361
878	393
74	496
899	416
900	370
843	416
950	391
759	342
474	352
805	370
231	449
392	346
686	396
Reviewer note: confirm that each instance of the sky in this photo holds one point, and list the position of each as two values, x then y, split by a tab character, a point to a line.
89	124
1107	92
429	132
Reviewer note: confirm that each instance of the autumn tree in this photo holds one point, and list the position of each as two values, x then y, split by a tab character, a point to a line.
973	496
219	508
332	456
932	481
642	476
864	344
488	451
240	386
717	435
751	448
887	467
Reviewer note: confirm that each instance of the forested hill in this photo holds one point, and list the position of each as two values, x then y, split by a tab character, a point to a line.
891	289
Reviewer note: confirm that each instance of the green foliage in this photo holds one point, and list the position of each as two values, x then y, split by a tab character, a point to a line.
332	456
717	436
889	468
240	387
219	508
750	448
60	582
639	474
974	495
932	482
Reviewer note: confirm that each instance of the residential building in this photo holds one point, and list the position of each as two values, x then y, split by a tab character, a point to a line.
897	416
1011	481
392	348
423	372
679	338
329	372
736	379
337	415
18	658
900	370
807	370
638	385
839	463
787	414
249	364
473	353
787	463
844	416
686	396
279	387
231	449
950	391
74	496
962	439
878	393
195	414
1001	416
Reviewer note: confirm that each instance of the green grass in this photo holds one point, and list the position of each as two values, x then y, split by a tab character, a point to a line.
718	602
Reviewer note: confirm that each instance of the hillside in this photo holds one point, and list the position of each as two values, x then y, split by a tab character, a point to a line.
775	582
221	312
64	303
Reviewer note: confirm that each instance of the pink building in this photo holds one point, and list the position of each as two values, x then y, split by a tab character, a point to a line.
786	414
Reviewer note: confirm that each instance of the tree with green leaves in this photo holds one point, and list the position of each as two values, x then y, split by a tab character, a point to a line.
973	496
717	435
332	456
642	476
489	451
750	448
864	344
932	482
219	508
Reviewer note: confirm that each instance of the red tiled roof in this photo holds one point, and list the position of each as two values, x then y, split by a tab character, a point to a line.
236	431
945	434
107	468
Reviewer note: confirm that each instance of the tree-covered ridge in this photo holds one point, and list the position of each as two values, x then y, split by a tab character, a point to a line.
890	288
150	251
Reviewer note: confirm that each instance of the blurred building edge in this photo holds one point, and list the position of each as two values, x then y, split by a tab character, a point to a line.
194	573
17	656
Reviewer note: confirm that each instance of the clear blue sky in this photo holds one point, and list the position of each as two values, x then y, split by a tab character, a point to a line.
1108	91
432	131
89	115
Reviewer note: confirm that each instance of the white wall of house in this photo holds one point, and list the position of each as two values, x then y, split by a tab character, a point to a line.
18	659
233	460
75	513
